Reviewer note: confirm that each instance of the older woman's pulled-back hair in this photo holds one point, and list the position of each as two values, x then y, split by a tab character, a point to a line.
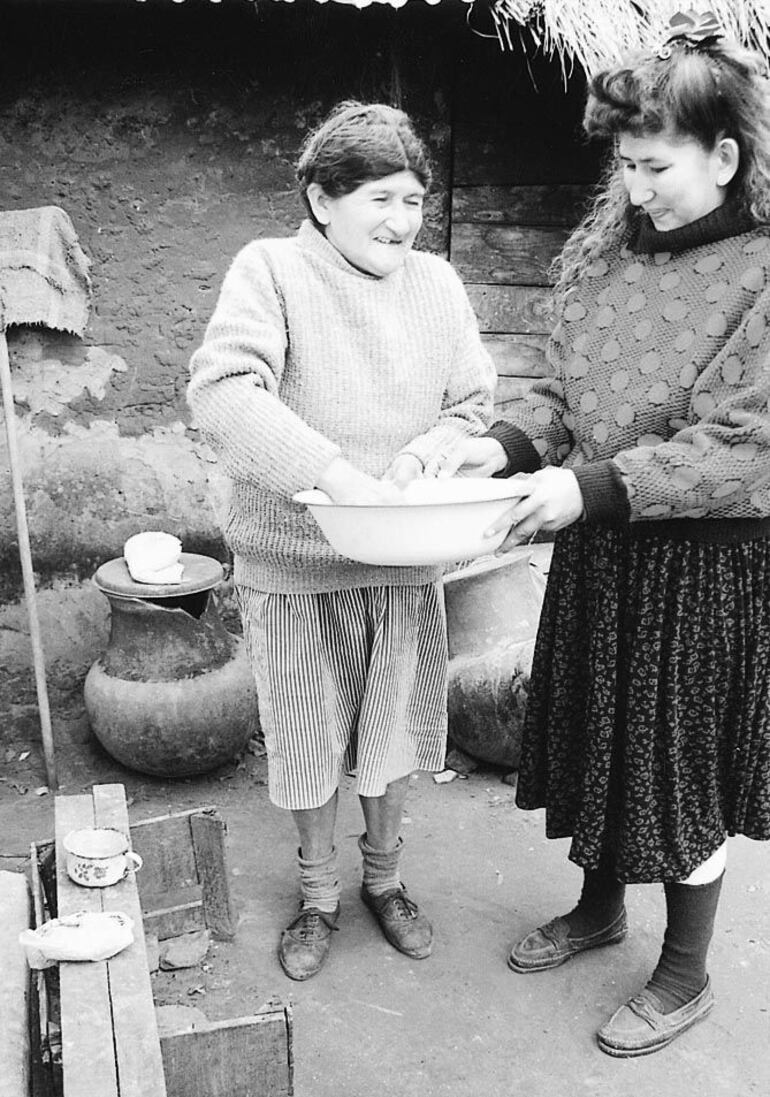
705	93
358	142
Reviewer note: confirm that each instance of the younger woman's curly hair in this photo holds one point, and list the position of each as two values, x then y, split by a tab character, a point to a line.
358	142
703	94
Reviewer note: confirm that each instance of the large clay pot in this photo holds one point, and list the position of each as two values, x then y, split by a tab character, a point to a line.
493	609
173	694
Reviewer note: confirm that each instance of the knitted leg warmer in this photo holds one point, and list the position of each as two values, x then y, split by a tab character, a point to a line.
381	868
319	882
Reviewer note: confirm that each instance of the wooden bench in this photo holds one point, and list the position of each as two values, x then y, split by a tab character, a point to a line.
110	1046
109	1035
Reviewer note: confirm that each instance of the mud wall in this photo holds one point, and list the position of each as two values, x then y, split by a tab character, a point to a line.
167	133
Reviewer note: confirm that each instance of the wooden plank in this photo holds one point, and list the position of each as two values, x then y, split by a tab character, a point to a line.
507	254
520	309
510	390
15	1011
88	1054
208	831
518	355
165	918
245	1057
561	204
135	1030
165	845
46	872
39	1011
505	152
506	409
42	1084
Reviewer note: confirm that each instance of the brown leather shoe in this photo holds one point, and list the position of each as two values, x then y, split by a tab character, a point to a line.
306	941
550	945
639	1028
401	922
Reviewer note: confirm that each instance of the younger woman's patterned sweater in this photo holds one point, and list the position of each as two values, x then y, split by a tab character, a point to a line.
660	400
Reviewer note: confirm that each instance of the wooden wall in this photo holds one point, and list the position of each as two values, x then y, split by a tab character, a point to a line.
521	176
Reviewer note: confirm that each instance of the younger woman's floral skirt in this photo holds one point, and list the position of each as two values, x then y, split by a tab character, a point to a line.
648	730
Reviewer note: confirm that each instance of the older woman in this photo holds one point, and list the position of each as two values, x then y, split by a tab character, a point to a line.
341	359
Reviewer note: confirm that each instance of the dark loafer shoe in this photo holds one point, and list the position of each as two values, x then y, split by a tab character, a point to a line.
639	1028
551	945
401	922
306	941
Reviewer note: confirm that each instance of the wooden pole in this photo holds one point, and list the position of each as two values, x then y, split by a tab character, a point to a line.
25	555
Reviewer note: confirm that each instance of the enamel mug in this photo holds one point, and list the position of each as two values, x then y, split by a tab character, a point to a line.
99	856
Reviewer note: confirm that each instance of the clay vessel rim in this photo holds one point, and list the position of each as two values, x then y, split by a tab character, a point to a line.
486	564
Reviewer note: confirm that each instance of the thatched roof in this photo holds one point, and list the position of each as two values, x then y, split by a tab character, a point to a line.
593	32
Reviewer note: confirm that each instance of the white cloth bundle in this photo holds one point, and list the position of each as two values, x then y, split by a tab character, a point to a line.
153	557
85	935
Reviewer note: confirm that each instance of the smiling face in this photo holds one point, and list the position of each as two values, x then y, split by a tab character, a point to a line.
675	179
375	225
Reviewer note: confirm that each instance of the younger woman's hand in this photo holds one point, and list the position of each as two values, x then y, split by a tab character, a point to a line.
468	457
551	500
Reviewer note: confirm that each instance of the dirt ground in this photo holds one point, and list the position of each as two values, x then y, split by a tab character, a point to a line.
458	1024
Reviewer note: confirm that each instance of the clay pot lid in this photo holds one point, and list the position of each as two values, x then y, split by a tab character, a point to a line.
200	573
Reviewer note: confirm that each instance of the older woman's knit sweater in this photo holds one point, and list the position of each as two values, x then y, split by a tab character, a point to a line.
307	358
661	396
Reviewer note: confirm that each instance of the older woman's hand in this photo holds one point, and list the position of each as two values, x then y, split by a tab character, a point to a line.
468	457
404	468
344	483
552	501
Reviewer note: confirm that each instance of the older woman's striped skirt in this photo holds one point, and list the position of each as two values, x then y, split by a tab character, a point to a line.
351	680
648	730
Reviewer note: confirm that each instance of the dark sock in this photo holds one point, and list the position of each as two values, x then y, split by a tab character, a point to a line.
601	900
681	971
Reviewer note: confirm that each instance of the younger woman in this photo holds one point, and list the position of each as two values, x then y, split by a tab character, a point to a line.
648	735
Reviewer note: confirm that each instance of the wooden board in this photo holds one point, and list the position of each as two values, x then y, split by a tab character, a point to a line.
509	390
135	1031
208	835
15	986
184	881
508	254
41	1076
165	846
500	152
110	1043
518	355
246	1057
88	1054
174	913
555	204
502	309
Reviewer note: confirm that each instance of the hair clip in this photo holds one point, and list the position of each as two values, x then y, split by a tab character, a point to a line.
692	30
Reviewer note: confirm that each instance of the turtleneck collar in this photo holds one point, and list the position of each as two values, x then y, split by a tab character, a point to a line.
314	240
726	220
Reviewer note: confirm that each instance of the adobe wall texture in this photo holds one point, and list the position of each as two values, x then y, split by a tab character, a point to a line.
168	135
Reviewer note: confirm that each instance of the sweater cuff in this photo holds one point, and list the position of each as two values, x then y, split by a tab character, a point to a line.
522	455
605	498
